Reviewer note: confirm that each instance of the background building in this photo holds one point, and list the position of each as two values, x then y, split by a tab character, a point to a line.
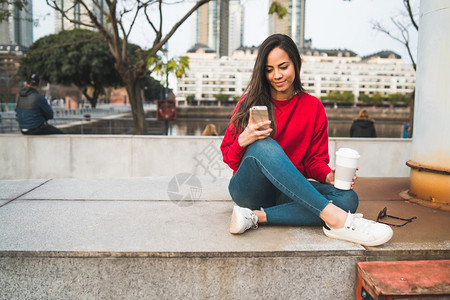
211	80
293	24
219	25
16	35
325	71
17	30
10	84
76	12
235	26
215	81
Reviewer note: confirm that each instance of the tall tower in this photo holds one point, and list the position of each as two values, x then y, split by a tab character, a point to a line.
236	26
218	24
17	30
293	24
76	12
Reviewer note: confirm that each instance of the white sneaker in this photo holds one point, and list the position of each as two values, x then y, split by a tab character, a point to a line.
242	219
361	231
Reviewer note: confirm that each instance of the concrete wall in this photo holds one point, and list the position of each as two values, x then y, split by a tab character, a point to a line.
106	156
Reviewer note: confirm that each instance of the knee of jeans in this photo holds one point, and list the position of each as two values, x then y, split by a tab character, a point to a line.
266	145
350	201
242	201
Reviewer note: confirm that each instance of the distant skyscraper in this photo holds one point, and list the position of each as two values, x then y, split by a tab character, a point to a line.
219	25
18	28
293	24
76	12
236	26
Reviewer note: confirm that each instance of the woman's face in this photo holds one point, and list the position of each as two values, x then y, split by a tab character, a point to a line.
280	74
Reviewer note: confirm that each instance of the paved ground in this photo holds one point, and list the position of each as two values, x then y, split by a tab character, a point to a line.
431	229
148	214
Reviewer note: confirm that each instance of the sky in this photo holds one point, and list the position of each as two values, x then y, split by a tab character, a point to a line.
331	24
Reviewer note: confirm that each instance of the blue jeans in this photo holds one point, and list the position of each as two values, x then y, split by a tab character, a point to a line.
267	179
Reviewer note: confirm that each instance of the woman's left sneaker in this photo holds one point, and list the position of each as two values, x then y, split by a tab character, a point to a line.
361	231
242	219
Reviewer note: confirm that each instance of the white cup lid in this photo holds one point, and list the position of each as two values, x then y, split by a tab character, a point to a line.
347	152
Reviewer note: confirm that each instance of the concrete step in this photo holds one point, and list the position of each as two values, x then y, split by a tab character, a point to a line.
133	238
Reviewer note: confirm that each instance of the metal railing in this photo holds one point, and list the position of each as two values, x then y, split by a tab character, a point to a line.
89	125
82	117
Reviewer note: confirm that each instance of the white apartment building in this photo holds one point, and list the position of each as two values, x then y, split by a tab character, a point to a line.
322	71
209	75
385	72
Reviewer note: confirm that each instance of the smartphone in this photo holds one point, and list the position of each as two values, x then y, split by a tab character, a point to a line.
260	114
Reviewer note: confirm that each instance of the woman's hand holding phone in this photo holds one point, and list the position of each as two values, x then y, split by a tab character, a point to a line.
252	132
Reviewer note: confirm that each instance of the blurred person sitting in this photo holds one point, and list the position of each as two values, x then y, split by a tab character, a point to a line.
363	126
210	130
33	110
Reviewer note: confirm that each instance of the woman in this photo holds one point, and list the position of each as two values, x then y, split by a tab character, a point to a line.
270	166
363	126
210	130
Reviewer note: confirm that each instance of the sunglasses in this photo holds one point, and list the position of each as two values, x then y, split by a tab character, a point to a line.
383	214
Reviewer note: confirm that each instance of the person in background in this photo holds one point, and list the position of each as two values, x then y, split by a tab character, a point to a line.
281	174
210	130
363	126
33	110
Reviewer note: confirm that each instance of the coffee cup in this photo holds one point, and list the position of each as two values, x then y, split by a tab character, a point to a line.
346	164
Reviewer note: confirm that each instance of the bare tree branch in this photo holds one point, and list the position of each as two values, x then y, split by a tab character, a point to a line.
160	19
401	29
100	8
379	27
411	16
54	5
157	45
134	20
149	21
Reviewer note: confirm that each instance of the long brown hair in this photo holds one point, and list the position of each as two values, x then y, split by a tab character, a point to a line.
257	91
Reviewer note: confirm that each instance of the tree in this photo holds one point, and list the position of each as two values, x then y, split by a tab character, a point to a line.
221	97
348	97
364	98
278	9
336	96
175	65
404	38
398	98
377	98
333	96
153	89
402	28
115	21
80	57
190	98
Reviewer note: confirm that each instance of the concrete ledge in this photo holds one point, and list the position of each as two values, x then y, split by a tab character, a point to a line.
178	278
129	238
109	156
126	238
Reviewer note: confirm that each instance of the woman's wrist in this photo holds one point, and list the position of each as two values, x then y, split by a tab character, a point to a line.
241	141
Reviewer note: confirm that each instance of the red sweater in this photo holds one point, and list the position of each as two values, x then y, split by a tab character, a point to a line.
302	131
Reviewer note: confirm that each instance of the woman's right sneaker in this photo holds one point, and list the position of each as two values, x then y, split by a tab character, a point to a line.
361	231
242	219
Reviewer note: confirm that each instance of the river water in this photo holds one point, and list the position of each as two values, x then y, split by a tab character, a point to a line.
185	127
195	127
